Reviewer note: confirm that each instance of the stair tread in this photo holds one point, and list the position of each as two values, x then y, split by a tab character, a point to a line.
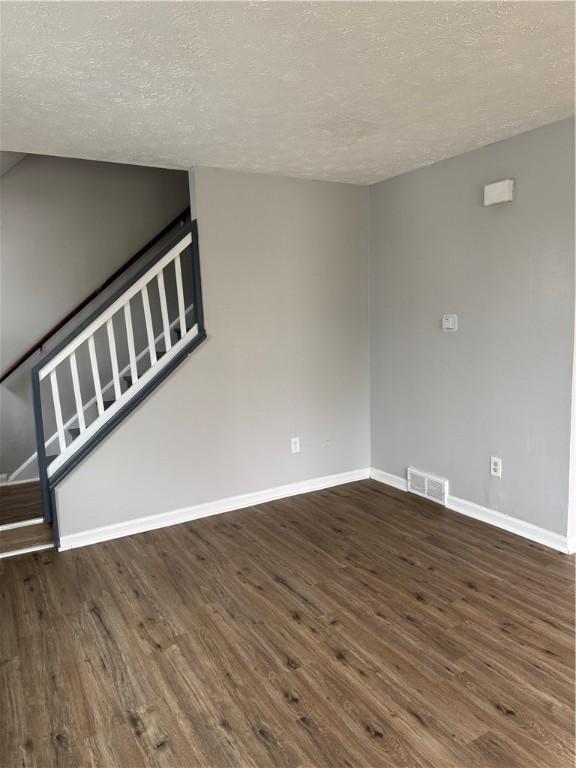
28	536
20	502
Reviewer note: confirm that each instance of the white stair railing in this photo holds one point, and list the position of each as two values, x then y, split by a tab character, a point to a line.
78	418
97	345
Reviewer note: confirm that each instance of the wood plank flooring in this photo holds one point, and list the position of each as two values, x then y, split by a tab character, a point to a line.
356	626
21	501
14	539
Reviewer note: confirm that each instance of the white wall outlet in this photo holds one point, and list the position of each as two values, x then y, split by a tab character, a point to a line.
495	466
449	322
295	445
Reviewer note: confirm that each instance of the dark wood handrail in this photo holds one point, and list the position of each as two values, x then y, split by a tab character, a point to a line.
66	319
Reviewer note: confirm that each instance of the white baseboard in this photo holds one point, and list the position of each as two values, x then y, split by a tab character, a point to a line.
25	550
150	523
491	516
510	524
468	508
21	524
388	479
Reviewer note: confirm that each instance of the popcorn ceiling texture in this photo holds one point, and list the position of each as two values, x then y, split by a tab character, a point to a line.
354	92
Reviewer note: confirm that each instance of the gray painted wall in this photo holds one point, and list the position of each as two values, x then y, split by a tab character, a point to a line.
501	385
66	226
285	279
9	159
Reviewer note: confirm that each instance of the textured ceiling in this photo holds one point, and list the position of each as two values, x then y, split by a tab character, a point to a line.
352	92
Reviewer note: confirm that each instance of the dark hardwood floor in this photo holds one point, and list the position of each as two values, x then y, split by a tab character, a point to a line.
39	535
21	501
356	626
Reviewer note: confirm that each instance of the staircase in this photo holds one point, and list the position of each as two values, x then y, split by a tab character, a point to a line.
22	526
105	368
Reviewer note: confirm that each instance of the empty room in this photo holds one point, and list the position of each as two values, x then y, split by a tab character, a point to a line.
287	384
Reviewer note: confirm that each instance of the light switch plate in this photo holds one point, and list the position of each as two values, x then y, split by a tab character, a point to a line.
449	322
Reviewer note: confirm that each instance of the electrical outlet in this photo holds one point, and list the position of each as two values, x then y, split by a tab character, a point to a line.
295	445
495	466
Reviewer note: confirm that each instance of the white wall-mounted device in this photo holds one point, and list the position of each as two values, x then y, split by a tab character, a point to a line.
499	192
449	322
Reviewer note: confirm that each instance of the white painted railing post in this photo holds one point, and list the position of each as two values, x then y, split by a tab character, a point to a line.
180	292
130	339
113	359
77	393
164	311
149	328
58	411
95	375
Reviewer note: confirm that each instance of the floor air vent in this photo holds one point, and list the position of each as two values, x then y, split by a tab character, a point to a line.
433	488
